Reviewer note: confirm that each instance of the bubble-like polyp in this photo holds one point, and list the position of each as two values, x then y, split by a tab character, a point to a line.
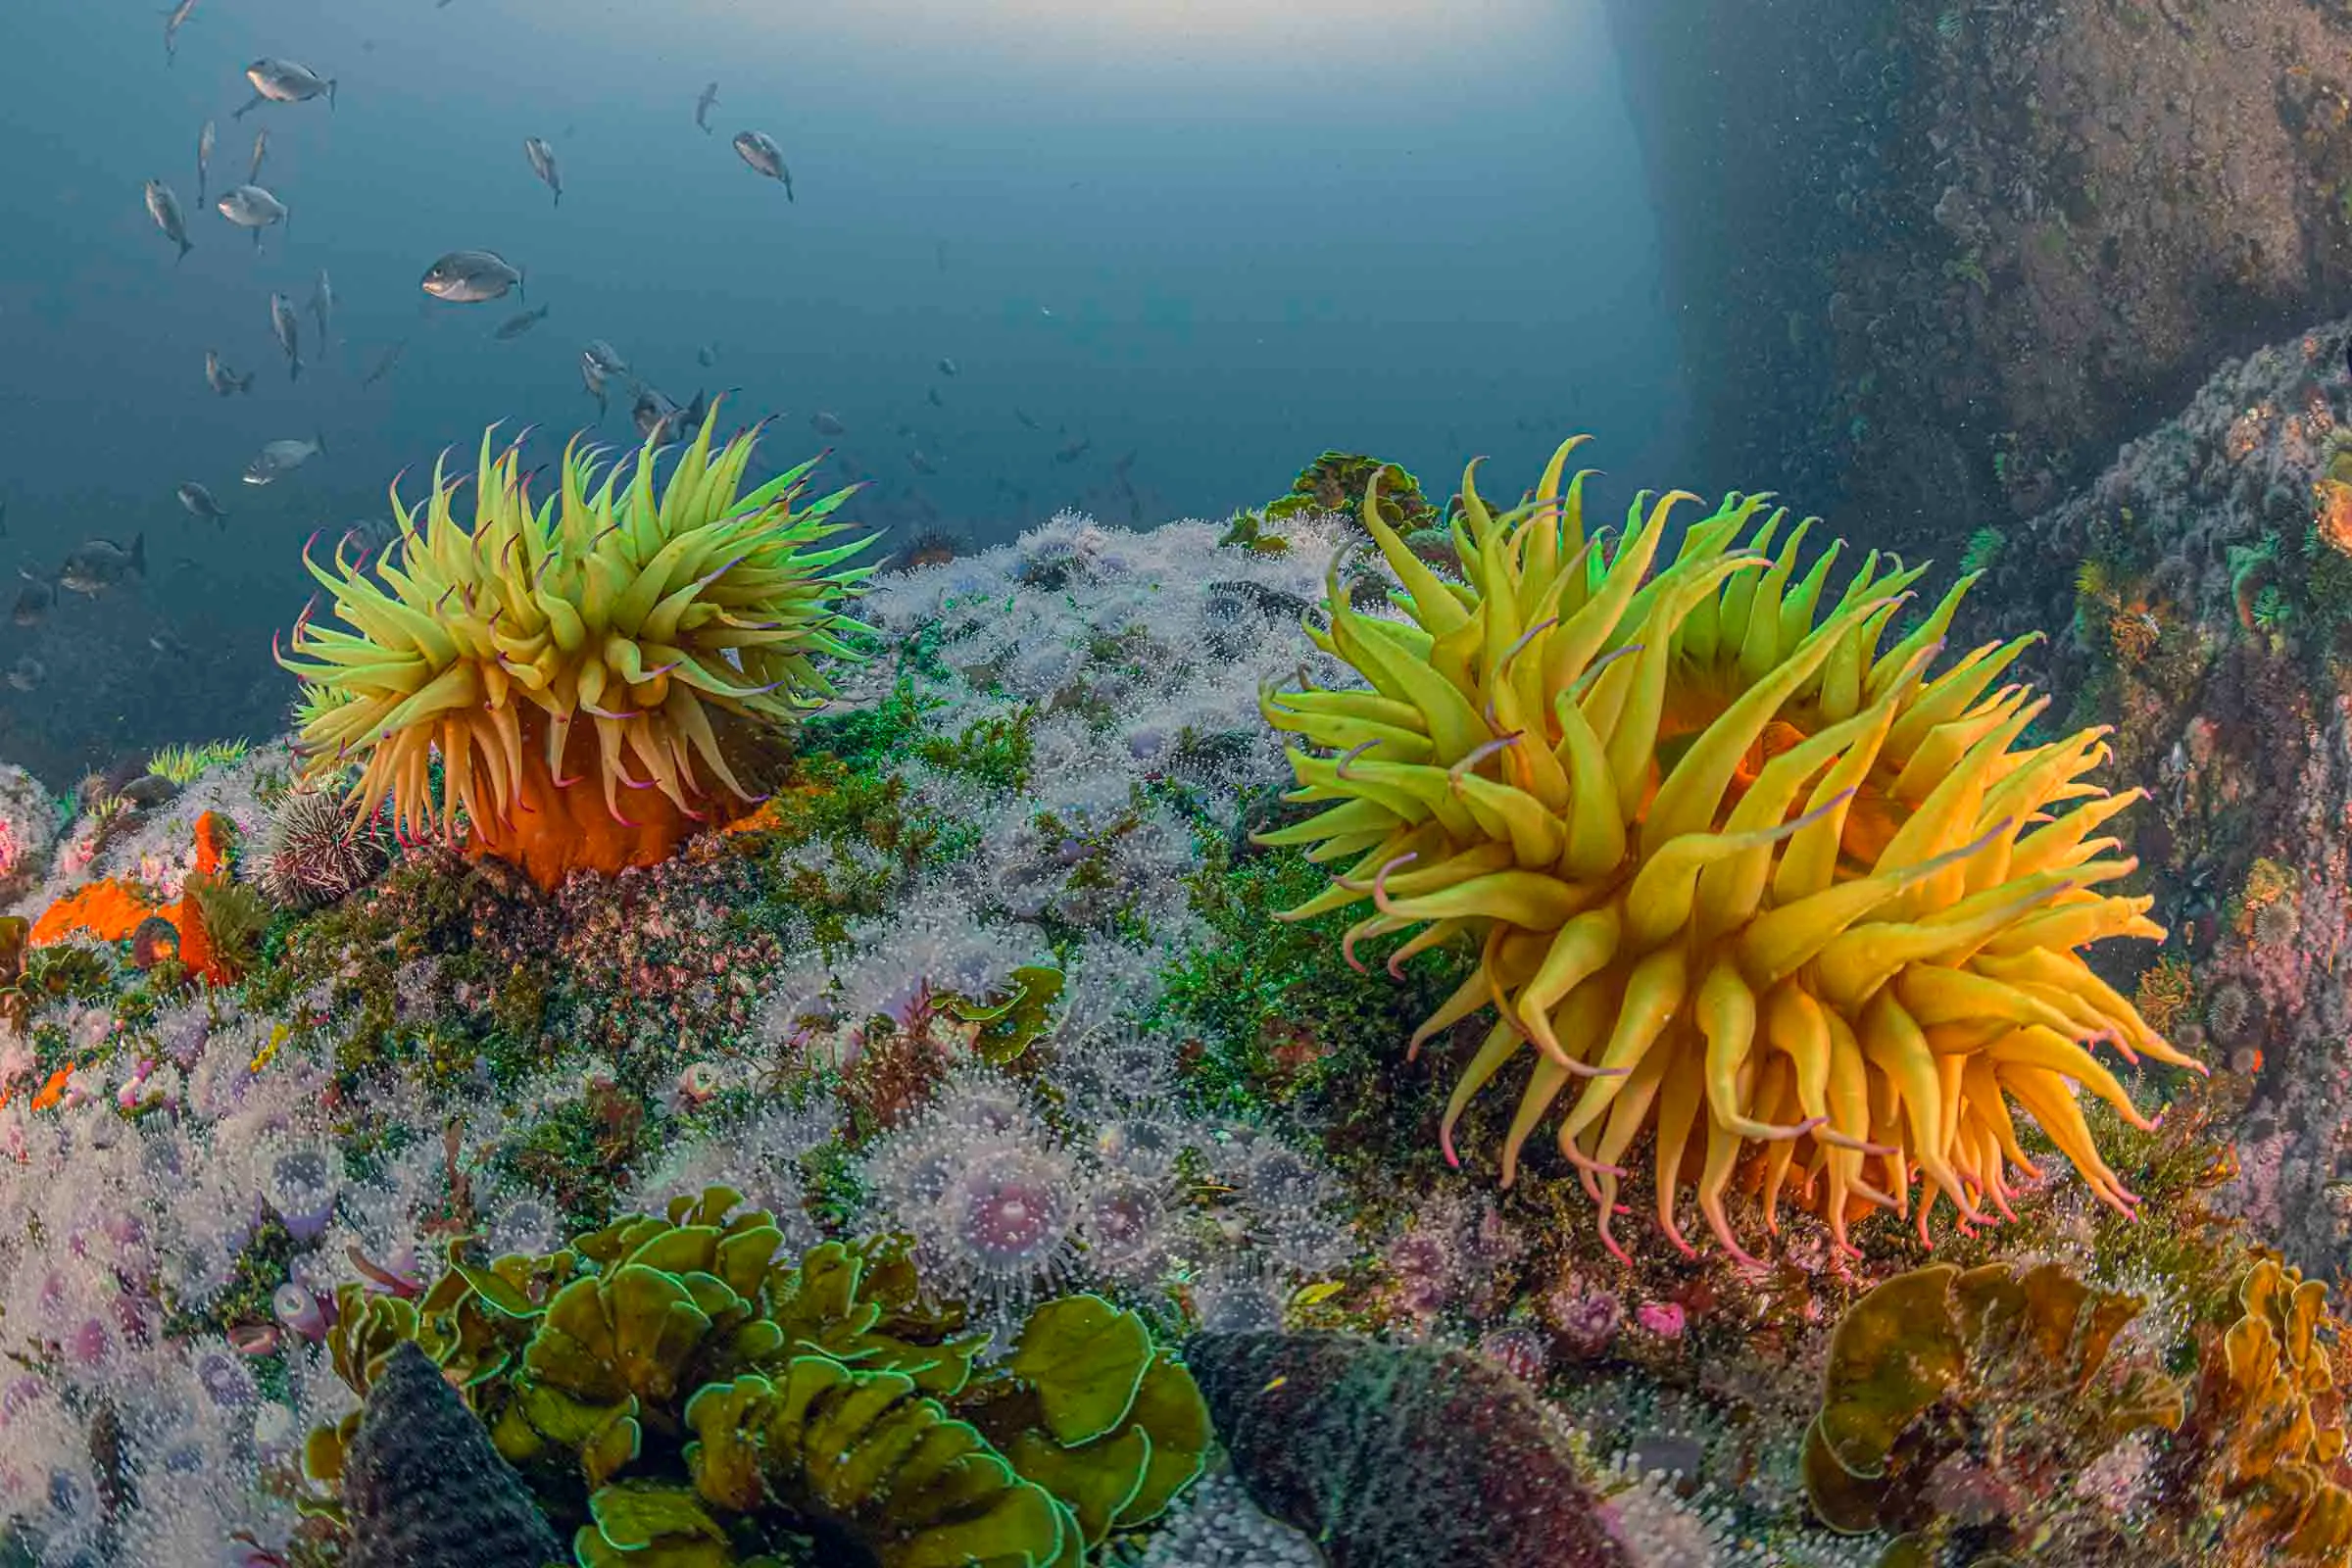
1006	1222
1128	1227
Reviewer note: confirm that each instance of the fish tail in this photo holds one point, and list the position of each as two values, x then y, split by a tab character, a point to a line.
185	248
138	555
331	92
321	436
522	284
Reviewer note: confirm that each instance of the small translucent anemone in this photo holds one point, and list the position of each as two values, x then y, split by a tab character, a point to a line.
1736	876
640	613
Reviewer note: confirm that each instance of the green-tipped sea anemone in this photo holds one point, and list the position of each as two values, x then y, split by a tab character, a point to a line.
640	613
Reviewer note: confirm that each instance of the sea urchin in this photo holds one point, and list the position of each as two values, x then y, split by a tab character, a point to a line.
640	611
1721	860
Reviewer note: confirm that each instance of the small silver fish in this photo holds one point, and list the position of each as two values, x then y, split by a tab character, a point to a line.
947	366
322	306
174	20
824	423
931	395
514	326
203	158
1074	451
289	331
1024	418
97	564
707	355
224	380
281	458
702	105
605	357
661	420
282	81
261	150
470	278
200	504
251	207
921	464
543	164
384	365
27	673
164	208
592	376
32	599
760	150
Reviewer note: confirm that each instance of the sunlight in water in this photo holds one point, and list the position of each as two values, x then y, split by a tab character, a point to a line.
1249	34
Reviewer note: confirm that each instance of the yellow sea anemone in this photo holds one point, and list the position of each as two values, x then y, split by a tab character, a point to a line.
1723	858
642	613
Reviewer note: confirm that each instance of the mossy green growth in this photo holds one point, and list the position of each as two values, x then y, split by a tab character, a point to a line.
1282	1020
676	1394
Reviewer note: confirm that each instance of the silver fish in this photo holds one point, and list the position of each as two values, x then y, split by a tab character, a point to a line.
203	158
707	355
322	307
824	423
921	464
543	164
289	329
605	357
948	368
200	504
251	207
932	397
97	564
514	326
32	599
27	673
282	81
280	458
164	208
261	150
224	380
592	376
469	277
703	107
174	20
384	365
661	420
760	150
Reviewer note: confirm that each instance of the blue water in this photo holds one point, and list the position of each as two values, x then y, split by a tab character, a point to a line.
1414	227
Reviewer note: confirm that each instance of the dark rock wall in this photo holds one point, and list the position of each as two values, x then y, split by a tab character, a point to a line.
1935	261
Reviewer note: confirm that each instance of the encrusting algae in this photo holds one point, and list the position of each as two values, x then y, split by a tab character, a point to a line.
643	612
1722	856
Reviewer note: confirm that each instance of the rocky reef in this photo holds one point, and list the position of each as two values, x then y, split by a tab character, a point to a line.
1372	1036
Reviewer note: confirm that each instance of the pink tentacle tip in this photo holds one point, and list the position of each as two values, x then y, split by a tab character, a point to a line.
1453	1162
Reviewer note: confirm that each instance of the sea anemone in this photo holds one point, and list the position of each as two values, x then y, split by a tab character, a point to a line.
1721	861
644	612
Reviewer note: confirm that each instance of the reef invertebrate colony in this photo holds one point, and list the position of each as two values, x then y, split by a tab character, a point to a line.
641	612
1721	857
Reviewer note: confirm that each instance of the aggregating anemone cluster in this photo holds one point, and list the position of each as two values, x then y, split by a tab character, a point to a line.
1010	1098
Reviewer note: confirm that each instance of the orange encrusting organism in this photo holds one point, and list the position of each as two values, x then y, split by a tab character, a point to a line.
1736	875
112	908
562	659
